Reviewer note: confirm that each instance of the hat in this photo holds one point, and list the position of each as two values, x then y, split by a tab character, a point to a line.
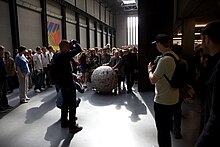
162	38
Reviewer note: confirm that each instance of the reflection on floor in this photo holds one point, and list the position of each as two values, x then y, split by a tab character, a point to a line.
124	120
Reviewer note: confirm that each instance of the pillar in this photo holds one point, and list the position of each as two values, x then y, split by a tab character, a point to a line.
154	17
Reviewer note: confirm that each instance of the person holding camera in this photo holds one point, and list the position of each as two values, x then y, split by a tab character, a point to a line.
68	49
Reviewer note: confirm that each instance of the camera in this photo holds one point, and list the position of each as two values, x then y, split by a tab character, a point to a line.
73	44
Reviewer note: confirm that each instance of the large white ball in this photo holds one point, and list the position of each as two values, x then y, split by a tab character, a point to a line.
104	79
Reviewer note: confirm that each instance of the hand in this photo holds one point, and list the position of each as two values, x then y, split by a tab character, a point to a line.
150	67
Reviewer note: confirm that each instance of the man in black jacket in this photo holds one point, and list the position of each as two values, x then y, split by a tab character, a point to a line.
66	84
211	45
130	63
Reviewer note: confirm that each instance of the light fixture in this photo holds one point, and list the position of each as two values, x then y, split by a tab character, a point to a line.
126	2
200	25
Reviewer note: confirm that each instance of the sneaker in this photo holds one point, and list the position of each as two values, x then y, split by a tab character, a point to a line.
76	129
27	98
42	89
37	91
3	110
85	85
23	101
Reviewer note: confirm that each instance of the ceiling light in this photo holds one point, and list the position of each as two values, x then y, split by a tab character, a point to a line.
200	25
128	2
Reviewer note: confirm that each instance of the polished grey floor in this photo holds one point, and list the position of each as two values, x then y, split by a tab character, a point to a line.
125	120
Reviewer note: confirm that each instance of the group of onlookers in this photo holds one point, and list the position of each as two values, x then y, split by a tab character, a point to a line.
29	68
123	60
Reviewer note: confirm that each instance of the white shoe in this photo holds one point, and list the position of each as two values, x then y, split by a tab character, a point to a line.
37	90
27	98
43	89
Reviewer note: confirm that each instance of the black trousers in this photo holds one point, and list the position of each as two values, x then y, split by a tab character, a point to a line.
163	119
3	94
129	80
69	105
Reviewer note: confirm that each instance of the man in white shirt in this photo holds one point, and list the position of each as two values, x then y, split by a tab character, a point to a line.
45	62
166	97
38	70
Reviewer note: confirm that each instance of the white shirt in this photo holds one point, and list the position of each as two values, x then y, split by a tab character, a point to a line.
164	93
37	61
45	59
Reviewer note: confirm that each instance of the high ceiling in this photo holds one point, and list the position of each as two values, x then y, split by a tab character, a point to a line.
201	10
120	7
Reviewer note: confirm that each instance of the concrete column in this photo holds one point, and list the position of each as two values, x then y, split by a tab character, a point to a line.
154	17
102	32
188	34
43	4
77	27
87	33
63	13
14	25
95	34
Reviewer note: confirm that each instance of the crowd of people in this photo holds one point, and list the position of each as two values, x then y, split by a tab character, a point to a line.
32	69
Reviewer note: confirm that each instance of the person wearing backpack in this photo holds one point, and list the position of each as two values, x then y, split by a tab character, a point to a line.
166	97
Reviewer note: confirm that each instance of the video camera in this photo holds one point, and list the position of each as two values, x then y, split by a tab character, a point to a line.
73	44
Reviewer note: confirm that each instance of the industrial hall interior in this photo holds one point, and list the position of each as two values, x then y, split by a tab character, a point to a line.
85	73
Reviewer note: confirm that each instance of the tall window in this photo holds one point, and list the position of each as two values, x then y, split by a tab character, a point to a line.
132	30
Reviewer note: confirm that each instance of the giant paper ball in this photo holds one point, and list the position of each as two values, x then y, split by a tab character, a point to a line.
104	79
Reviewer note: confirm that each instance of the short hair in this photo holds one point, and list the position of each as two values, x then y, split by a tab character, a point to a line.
2	48
8	53
63	43
21	49
163	39
50	47
212	30
38	48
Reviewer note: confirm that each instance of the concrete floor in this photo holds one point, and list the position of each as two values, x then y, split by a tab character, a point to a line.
125	120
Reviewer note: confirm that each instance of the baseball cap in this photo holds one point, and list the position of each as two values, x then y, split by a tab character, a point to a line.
162	38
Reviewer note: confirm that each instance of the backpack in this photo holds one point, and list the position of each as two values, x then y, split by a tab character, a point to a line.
180	73
53	72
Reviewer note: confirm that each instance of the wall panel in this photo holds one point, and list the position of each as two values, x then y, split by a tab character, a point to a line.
30	31
90	7
5	27
71	31
102	14
71	2
81	4
83	37
92	40
97	10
